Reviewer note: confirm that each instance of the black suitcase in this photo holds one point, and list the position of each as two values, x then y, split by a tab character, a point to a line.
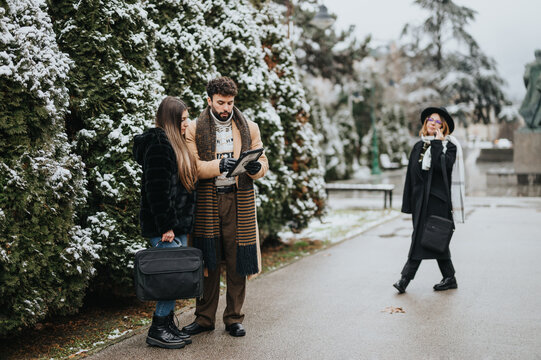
168	273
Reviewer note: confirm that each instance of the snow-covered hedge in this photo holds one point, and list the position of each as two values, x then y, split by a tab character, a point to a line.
197	41
115	89
294	190
78	80
46	259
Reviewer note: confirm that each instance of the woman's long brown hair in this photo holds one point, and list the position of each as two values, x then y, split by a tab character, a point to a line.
169	117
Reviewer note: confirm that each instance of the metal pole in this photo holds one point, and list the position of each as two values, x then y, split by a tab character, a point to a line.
288	15
375	152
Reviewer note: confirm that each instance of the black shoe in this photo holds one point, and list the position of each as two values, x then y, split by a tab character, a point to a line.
446	284
236	329
175	330
401	285
194	328
160	335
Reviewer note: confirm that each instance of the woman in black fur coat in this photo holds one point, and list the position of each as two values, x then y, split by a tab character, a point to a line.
167	201
425	192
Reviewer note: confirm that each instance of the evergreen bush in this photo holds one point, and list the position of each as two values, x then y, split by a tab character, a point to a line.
114	93
393	136
184	49
46	259
198	42
296	186
71	105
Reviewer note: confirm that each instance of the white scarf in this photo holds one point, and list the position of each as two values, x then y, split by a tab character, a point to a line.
458	191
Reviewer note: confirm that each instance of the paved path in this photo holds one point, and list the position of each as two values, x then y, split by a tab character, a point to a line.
329	305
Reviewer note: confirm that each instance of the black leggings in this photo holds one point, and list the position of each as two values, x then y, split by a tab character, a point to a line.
411	267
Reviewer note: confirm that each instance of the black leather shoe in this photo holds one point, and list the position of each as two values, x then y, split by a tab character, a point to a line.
194	328
446	284
175	330
160	335
236	329
401	285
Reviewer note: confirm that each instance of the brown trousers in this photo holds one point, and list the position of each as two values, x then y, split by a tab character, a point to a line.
205	310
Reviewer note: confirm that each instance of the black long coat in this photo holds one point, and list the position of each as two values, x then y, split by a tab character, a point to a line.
422	183
165	202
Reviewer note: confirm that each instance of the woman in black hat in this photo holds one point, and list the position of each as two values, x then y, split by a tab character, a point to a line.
425	193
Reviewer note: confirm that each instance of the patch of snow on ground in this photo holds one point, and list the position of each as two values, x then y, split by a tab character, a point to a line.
341	225
116	334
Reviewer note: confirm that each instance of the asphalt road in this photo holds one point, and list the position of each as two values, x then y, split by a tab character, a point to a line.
330	305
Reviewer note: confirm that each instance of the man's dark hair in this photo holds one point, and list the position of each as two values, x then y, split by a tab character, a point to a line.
222	86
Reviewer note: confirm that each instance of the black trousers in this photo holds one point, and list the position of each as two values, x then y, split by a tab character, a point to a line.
411	267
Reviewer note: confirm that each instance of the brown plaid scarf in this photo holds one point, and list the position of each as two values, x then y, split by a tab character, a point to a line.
207	223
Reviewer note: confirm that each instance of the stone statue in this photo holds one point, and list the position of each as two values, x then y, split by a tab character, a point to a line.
530	108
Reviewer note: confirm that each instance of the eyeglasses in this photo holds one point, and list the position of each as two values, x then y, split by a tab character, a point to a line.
437	121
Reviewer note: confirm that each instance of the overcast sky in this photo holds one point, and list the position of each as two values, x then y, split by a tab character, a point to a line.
508	31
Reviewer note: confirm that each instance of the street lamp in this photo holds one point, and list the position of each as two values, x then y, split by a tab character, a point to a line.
289	7
322	20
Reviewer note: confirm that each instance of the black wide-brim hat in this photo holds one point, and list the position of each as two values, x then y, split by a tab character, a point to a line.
442	112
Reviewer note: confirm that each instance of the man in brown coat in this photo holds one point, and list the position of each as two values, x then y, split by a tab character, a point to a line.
225	219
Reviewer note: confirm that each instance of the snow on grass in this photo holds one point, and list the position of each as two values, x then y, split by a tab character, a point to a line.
115	334
341	224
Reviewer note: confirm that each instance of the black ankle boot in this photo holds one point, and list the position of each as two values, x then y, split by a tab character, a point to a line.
401	285
446	284
175	330
160	335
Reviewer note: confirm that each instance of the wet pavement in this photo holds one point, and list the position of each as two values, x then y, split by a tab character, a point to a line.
331	305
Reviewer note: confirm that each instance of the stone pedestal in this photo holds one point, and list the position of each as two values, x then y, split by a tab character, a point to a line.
527	152
495	155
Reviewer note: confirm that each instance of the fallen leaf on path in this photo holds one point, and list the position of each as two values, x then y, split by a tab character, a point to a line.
393	310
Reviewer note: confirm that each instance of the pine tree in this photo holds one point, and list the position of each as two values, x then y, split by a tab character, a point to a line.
46	259
329	56
339	142
448	60
325	53
393	134
114	93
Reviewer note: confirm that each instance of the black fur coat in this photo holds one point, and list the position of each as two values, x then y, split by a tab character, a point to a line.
165	202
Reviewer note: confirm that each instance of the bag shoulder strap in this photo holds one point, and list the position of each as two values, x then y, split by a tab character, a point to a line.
446	182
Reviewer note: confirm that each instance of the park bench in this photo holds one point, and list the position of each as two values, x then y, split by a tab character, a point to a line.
387	190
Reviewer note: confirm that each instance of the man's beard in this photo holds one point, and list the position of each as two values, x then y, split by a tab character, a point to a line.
223	116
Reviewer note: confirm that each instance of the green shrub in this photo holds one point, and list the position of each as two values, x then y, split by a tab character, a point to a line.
46	260
114	93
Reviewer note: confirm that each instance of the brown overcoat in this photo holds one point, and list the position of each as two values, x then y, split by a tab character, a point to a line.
211	169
